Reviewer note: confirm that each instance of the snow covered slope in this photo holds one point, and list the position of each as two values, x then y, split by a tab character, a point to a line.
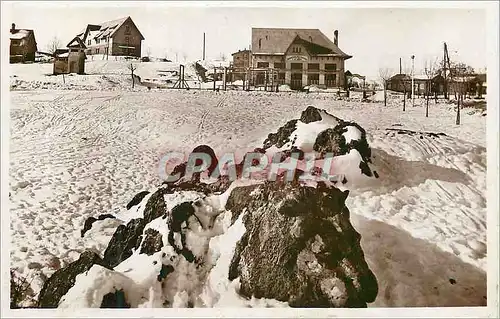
75	153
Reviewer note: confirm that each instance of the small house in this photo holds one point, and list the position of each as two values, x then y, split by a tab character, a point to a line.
22	45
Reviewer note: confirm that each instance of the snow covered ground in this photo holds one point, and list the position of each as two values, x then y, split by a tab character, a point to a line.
76	154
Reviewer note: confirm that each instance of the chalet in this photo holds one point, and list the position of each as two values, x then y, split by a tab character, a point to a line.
298	57
22	45
116	37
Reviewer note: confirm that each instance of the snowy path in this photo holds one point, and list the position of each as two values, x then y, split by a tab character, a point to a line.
75	154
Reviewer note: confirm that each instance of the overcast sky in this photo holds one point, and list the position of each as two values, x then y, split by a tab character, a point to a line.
375	37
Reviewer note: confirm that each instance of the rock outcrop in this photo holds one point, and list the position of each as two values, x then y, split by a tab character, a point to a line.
299	247
62	280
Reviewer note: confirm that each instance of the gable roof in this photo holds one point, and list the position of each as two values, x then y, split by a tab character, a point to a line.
278	40
77	42
106	29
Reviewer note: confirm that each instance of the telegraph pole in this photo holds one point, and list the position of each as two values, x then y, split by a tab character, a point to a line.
203	46
413	80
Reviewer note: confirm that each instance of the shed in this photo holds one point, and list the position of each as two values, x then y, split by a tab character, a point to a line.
71	60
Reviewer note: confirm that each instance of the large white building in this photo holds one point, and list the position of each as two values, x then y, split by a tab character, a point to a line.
299	57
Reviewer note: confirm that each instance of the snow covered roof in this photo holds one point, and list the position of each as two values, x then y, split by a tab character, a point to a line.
105	29
277	40
20	34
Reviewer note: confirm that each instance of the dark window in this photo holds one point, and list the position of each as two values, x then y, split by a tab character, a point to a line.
279	65
330	67
313	66
260	43
296	66
127	29
262	64
89	42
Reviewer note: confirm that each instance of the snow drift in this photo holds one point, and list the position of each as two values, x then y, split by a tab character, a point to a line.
193	243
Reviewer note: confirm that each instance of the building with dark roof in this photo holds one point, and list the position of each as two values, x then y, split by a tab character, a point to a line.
22	45
297	57
116	37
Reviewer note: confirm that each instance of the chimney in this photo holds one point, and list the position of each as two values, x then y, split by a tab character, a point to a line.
336	37
13	27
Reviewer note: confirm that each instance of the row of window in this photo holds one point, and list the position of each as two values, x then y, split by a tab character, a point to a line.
296	79
105	40
299	66
278	58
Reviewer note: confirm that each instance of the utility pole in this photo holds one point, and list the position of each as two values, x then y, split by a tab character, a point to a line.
203	46
413	80
400	67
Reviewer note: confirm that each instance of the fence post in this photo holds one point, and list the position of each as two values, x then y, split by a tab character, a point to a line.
225	78
215	77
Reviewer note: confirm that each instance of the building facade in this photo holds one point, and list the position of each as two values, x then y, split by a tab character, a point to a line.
296	57
117	37
242	60
22	45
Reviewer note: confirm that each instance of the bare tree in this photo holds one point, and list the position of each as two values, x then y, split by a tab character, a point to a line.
223	56
54	44
132	67
184	56
148	52
431	70
458	77
384	75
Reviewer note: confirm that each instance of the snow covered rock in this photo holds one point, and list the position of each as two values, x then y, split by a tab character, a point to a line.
91	220
62	280
299	247
137	199
326	137
201	241
124	241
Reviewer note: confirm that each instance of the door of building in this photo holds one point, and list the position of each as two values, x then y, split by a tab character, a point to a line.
296	81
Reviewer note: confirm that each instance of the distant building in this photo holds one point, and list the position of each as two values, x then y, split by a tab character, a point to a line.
299	57
116	37
473	84
241	62
22	45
